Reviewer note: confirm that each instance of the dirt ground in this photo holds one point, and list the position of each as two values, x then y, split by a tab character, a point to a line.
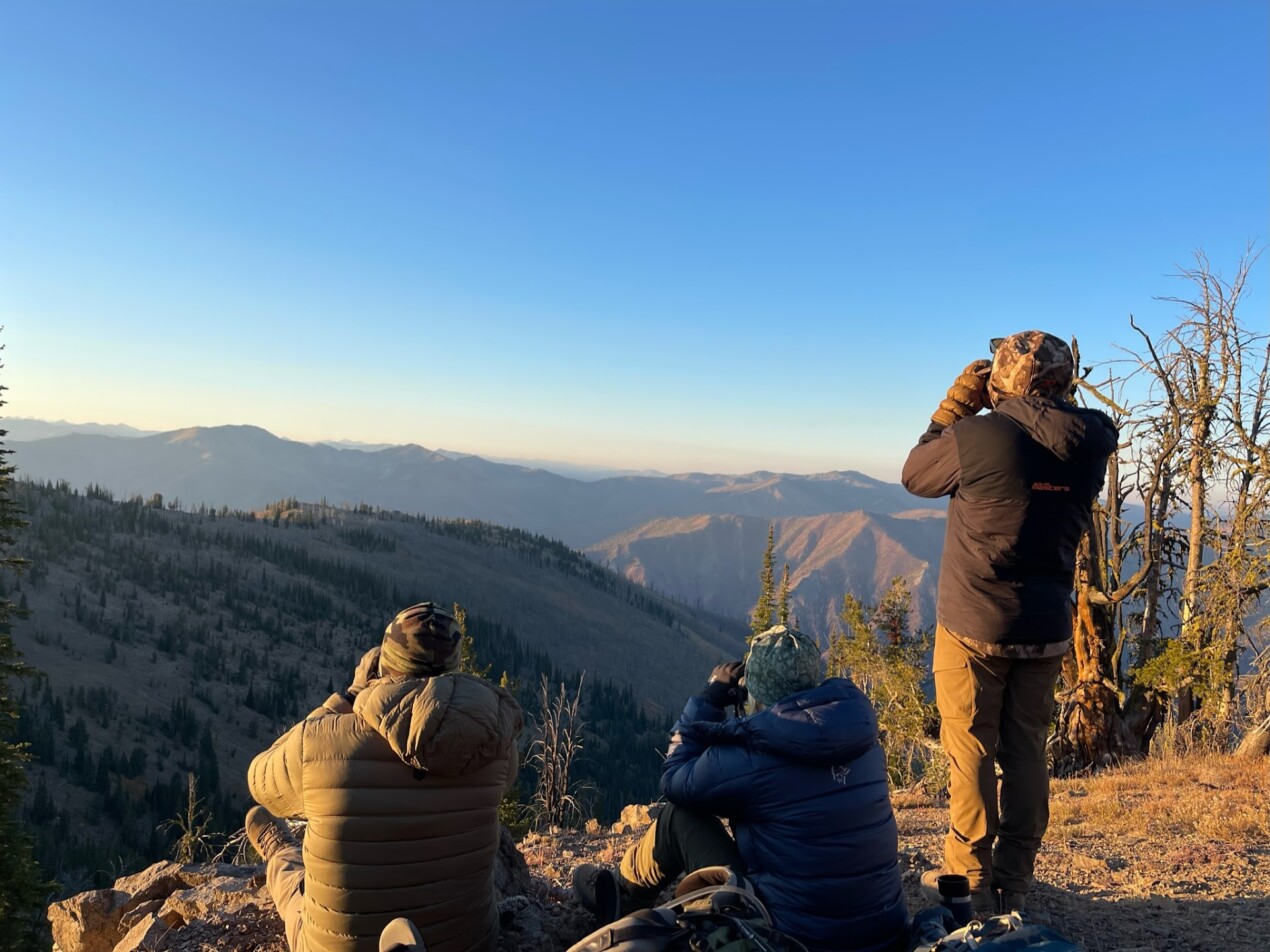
1168	855
1165	856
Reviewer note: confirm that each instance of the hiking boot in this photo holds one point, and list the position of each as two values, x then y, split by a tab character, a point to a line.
708	876
599	891
1010	901
982	900
267	833
400	935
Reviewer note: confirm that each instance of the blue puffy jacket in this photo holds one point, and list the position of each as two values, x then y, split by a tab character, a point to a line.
804	786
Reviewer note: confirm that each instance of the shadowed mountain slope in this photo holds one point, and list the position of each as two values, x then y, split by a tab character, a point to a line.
171	642
714	561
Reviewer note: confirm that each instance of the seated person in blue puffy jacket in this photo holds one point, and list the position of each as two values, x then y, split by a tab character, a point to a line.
801	779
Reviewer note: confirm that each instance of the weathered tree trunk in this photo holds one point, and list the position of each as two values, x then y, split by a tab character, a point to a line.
1255	743
1190	630
1091	730
1144	712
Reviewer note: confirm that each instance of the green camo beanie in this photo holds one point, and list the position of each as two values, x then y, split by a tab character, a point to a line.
422	640
781	662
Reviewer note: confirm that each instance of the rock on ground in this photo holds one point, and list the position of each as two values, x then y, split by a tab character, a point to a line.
219	907
172	908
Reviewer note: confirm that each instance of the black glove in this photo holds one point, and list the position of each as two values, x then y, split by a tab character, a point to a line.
367	671
724	687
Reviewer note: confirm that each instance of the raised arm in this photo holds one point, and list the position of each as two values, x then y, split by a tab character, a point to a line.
708	765
933	467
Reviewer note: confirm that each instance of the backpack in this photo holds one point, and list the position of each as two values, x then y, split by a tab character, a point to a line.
719	918
1006	933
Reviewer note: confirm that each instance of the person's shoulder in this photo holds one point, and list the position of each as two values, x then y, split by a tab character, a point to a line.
979	423
1097	433
842	693
470	687
1094	415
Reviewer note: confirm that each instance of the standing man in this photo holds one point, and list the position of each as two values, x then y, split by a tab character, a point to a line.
1023	479
400	778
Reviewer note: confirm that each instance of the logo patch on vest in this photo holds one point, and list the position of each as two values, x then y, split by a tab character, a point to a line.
1050	488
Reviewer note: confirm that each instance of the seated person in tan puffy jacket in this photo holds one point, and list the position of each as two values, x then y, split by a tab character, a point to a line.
400	779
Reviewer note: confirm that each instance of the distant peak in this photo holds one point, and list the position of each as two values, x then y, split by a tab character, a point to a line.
239	430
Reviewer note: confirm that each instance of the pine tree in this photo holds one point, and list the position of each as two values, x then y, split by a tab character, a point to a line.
782	607
467	651
21	888
874	646
764	609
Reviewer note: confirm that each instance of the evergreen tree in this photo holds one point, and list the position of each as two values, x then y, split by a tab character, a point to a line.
782	607
765	609
467	651
875	647
21	889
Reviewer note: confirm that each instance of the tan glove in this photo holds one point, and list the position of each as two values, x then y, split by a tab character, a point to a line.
967	396
367	671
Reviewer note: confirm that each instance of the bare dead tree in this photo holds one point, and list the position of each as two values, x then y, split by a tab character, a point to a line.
1194	446
1095	726
1210	375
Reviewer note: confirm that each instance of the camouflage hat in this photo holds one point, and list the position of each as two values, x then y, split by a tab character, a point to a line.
781	662
422	639
1031	363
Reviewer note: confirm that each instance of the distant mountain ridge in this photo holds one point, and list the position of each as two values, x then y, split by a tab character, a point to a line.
25	429
248	467
713	561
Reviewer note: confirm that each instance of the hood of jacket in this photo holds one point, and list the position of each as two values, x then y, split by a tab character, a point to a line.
448	725
828	724
1073	434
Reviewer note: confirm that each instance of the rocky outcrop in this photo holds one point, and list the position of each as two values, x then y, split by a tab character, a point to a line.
171	907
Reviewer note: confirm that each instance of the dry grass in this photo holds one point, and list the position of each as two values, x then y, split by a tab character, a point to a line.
1206	796
1170	854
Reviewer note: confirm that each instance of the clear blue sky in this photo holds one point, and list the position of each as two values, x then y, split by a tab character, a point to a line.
685	235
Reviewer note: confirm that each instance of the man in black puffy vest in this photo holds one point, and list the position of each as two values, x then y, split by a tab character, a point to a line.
1023	479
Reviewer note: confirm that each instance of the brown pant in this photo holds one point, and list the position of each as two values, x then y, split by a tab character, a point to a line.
284	878
681	840
994	709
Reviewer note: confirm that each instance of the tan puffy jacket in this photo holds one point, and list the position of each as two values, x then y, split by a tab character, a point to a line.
401	793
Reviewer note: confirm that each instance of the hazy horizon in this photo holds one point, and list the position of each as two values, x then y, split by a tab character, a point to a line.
7	420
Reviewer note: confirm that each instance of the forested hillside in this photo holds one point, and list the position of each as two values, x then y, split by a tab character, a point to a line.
171	643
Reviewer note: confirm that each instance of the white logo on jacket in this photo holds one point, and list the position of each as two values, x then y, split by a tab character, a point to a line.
840	774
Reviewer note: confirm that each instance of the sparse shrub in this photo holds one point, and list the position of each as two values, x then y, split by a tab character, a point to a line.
875	647
557	799
195	838
515	815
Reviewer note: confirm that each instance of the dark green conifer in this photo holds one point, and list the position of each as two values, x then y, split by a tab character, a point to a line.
22	890
782	607
764	615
